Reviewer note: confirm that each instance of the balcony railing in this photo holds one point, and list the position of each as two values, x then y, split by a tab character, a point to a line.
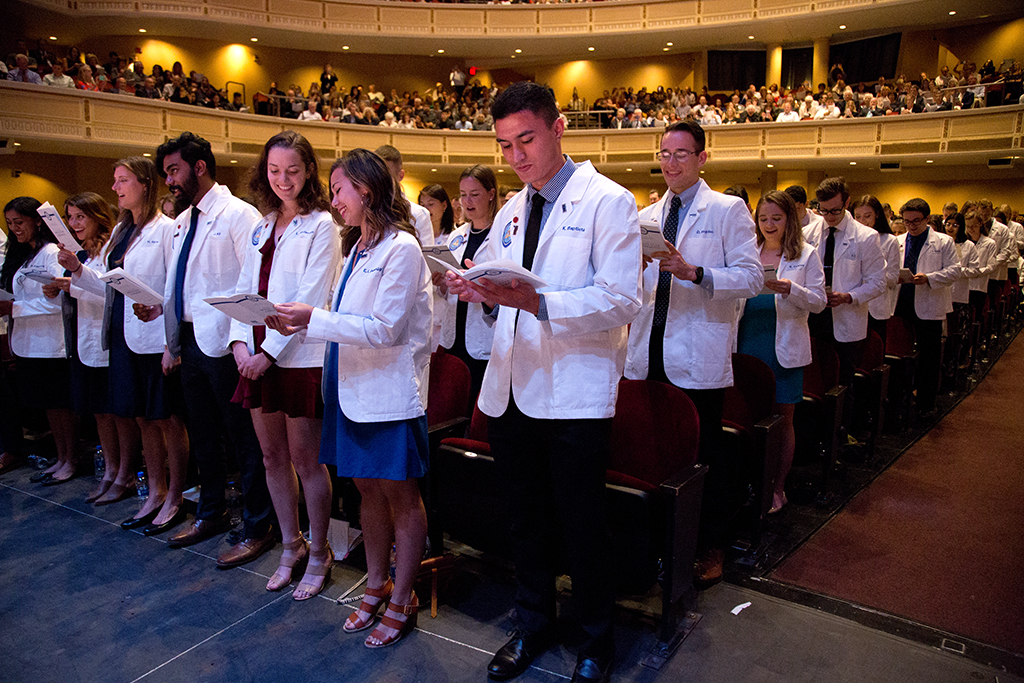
72	122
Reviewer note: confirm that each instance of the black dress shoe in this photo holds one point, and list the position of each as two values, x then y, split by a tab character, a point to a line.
595	669
516	655
138	522
154	529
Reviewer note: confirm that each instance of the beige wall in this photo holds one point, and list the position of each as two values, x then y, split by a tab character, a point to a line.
593	77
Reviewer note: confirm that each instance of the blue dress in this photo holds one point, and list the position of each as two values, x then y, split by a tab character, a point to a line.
757	338
396	450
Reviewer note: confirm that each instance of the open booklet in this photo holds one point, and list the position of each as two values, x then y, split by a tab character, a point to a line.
442	259
133	288
39	275
651	237
770	274
501	272
251	309
56	225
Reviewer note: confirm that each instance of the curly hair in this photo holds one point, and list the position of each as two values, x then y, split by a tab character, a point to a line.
96	208
313	196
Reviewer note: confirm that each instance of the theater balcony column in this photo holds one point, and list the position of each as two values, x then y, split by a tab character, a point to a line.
774	71
820	62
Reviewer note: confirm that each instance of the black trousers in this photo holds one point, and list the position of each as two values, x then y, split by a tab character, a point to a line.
554	472
929	361
208	384
879	326
849	353
724	484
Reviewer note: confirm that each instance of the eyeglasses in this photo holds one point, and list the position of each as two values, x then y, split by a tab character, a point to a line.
832	212
913	223
680	156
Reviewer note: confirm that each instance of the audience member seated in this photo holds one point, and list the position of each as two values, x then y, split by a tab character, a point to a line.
58	78
22	73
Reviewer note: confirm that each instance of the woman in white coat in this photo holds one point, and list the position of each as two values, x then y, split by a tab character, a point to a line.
868	211
140	392
434	199
959	321
293	256
987	252
773	326
37	330
464	331
90	219
375	381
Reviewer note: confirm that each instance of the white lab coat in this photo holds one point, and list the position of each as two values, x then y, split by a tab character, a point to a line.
37	326
858	269
304	268
147	259
421	221
968	256
89	318
882	307
986	249
442	307
1006	249
939	262
214	262
569	366
716	234
807	295
382	327
479	335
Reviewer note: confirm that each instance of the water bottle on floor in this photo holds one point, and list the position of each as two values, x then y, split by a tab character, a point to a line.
99	463
233	497
141	485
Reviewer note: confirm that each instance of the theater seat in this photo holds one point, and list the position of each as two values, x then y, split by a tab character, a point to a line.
901	356
752	433
870	391
818	418
654	494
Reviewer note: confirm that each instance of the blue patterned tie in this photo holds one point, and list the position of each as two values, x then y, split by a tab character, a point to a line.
179	275
664	277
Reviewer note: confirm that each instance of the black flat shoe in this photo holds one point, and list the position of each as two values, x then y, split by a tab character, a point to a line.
154	529
592	670
40	476
139	522
517	654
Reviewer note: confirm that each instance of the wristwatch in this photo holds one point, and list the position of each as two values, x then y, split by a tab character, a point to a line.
699	276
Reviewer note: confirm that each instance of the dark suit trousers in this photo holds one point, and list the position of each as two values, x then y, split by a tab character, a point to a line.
208	384
554	472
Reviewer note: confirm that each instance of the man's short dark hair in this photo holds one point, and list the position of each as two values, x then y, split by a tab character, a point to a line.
797	193
738	191
526	96
830	187
916	204
691	127
390	154
192	149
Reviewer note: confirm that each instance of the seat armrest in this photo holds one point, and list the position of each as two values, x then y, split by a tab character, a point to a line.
683	492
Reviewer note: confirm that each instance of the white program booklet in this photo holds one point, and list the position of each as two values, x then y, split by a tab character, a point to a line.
501	272
906	277
44	276
770	273
56	225
133	288
442	259
650	235
251	309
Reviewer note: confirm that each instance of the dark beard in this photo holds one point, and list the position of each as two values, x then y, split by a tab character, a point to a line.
187	192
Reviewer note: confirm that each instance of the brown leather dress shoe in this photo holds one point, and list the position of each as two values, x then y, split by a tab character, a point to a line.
200	530
707	570
246	550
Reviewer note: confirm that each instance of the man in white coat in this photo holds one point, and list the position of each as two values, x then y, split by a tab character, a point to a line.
420	216
684	333
211	234
854	275
926	298
552	379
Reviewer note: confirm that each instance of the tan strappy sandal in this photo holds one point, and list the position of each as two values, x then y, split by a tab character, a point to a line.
355	624
289	563
322	570
403	627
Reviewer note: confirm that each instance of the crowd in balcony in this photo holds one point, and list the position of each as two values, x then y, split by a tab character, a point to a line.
963	87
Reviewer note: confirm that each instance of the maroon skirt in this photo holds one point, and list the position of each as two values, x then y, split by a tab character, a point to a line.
292	391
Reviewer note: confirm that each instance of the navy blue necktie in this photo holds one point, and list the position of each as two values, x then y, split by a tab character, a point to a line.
661	296
179	275
533	231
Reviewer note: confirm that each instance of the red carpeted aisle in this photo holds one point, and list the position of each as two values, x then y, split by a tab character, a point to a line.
938	538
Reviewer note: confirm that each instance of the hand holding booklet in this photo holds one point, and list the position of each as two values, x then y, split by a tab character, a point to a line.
133	288
441	258
651	237
500	271
251	309
56	225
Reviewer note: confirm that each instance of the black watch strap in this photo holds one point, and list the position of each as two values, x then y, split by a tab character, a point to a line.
700	275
